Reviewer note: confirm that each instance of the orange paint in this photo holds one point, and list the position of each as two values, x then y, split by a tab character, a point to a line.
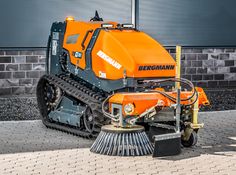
130	49
143	101
80	28
116	51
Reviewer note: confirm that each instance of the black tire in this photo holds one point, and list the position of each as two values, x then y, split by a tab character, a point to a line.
191	141
89	120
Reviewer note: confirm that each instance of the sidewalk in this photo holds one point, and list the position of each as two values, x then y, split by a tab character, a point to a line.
28	147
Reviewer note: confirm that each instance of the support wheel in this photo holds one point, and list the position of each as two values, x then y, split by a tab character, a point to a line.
89	120
191	141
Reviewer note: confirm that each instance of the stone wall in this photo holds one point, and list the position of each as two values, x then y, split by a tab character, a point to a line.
20	70
207	67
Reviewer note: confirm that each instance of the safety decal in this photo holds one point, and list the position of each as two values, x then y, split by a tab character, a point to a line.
54	47
102	74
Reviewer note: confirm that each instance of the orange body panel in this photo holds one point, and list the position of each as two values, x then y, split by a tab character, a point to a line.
130	49
80	28
118	51
143	101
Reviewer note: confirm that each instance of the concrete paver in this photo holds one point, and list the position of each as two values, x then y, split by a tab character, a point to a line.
28	147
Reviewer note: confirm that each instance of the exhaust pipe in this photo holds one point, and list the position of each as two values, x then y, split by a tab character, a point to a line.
135	13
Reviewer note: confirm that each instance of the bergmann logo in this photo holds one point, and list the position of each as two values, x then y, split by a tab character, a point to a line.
108	59
156	67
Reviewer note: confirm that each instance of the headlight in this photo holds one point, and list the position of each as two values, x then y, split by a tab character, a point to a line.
129	108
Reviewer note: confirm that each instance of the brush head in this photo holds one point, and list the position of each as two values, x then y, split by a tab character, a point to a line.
114	129
122	141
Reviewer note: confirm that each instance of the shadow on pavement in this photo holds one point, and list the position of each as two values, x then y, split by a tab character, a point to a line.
226	149
218	137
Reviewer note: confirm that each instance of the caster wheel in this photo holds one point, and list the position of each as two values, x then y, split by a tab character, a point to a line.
89	120
191	141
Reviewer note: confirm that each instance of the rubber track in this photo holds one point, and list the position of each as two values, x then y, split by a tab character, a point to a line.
78	91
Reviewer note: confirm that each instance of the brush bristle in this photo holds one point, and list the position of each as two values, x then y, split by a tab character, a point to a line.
122	144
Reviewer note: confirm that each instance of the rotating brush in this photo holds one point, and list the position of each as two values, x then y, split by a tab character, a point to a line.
122	141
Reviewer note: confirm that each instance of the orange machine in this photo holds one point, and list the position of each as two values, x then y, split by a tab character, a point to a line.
101	73
118	50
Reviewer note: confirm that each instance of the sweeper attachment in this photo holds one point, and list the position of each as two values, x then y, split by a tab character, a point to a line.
119	141
113	82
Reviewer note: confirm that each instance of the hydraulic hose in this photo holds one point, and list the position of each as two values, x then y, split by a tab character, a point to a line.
173	99
106	113
181	80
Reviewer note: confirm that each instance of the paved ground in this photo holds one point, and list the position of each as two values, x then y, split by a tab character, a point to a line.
27	147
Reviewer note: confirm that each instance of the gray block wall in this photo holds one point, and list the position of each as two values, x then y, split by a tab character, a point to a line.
207	67
20	70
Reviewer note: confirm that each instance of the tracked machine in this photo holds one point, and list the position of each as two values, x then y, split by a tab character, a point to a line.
112	82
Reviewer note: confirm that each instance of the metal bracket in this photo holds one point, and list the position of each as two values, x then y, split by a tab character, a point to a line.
197	126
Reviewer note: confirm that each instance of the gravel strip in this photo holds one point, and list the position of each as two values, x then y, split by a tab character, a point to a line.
18	108
221	99
25	107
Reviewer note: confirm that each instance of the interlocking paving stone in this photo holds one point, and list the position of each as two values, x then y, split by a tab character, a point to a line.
28	147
